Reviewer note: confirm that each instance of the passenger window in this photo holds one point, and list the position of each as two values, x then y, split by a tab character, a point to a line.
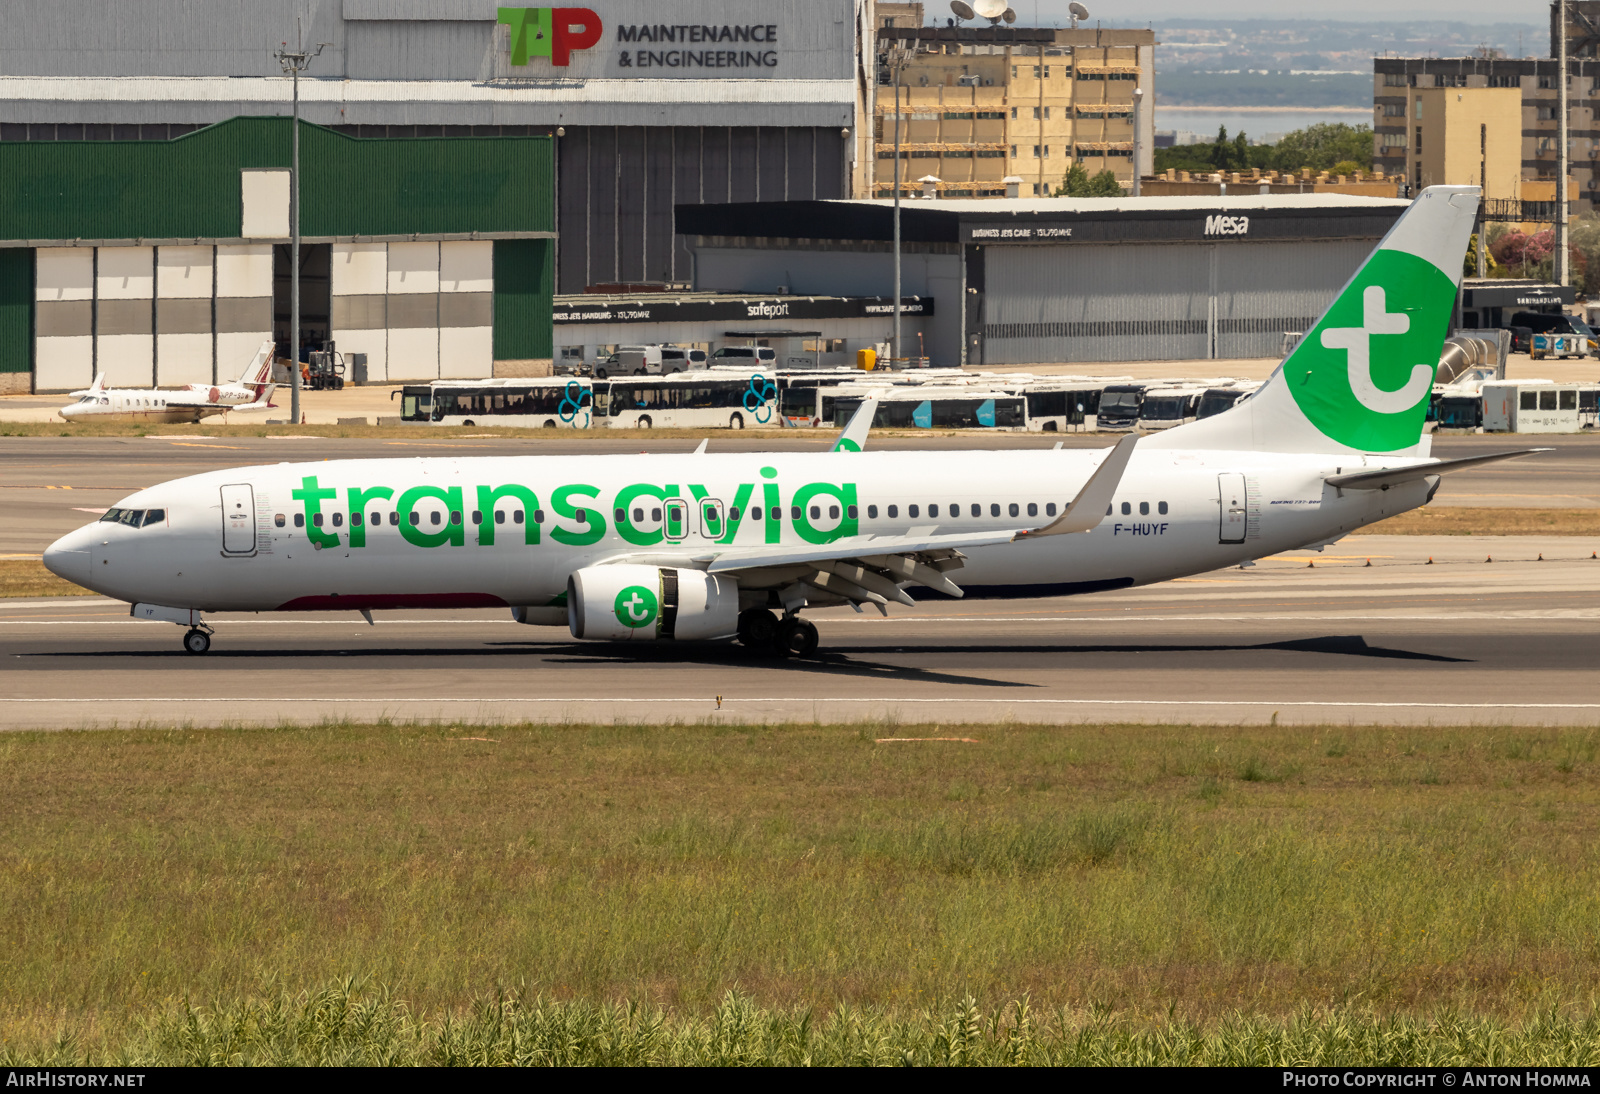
1144	509
711	514
1569	400
655	514
758	513
912	511
416	519
1033	509
994	509
394	519
581	516
955	511
850	510
977	510
620	515
499	516
376	520
477	517
1528	400
933	510
434	518
455	516
1049	508
872	512
299	520
794	512
1161	507
638	516
1014	509
1126	509
317	520
278	519
355	520
733	513
1547	400
894	511
816	512
833	512
338	520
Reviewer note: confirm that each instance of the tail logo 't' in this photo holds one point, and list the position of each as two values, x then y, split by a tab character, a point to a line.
1357	344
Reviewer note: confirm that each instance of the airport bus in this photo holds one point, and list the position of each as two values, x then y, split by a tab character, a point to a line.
1120	405
932	406
725	399
800	396
1217	399
557	402
1168	406
1063	408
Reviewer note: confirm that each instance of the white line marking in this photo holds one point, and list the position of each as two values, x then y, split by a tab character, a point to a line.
988	699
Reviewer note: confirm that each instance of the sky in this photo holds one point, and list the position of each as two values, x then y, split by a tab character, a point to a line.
1136	12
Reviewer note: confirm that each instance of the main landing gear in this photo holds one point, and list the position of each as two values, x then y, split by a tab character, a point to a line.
197	640
763	632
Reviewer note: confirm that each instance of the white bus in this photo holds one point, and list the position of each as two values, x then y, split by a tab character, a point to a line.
934	406
1068	407
556	402
1165	407
688	400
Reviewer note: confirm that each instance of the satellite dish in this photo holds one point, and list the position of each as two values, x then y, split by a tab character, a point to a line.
1010	16
992	10
962	9
1077	11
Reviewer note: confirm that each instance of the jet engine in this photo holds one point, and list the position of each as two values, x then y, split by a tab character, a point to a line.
651	604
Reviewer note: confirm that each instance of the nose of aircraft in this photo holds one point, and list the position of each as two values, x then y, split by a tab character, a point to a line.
69	411
68	557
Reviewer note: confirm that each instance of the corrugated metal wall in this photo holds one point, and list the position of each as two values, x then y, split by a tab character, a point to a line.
190	187
1135	302
524	282
16	310
1095	303
618	185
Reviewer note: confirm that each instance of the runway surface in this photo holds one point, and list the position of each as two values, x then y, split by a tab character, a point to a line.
50	485
1402	642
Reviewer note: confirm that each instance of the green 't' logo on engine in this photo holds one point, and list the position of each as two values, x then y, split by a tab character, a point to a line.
636	607
1364	374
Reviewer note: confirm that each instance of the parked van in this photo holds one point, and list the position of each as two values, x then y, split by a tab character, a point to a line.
753	356
630	361
678	359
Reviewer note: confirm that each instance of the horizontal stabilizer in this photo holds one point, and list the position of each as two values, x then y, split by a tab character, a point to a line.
1393	476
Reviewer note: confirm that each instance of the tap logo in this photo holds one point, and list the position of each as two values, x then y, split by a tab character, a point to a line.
636	607
550	32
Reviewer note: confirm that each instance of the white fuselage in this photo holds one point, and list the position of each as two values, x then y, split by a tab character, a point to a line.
156	405
253	556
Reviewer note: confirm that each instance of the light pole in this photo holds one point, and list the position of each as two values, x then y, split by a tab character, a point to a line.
295	62
899	53
1138	101
1560	271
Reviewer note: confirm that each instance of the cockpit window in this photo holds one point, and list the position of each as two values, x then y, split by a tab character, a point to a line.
135	518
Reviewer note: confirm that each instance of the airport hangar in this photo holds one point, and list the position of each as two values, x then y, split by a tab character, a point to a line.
1041	280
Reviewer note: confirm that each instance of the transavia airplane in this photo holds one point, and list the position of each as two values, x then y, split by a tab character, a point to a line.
695	547
99	403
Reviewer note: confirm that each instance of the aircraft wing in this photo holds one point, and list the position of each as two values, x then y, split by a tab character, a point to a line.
854	437
1386	477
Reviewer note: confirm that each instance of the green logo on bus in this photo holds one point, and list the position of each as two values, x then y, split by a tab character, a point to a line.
636	607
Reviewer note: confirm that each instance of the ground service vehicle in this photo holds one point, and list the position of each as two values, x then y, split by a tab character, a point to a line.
556	402
688	400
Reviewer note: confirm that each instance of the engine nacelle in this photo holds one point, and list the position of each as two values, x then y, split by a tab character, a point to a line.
651	604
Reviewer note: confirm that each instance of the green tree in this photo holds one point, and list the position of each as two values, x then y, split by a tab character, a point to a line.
1078	183
1241	152
1222	150
1322	146
1104	185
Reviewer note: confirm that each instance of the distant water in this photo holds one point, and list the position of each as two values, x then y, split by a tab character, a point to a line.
1257	124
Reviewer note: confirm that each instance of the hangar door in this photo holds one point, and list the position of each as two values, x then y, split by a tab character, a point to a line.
1266	289
1095	303
1157	302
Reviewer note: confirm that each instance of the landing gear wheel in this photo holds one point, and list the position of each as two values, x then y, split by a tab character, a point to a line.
797	638
758	630
197	641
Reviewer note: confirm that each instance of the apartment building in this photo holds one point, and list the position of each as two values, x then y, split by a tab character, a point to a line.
1493	121
979	105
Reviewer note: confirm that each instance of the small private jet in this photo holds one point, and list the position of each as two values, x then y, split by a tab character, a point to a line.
99	403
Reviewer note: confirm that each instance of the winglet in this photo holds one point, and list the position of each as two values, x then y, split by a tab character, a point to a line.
701	450
1089	507
854	437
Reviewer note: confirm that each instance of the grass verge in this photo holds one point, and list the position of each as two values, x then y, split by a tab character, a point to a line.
1471	521
1165	879
28	577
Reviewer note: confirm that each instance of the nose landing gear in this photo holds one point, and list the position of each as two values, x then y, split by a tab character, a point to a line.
762	632
197	640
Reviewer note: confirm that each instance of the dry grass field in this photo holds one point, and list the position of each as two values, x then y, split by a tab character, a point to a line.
27	577
1183	893
1471	521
